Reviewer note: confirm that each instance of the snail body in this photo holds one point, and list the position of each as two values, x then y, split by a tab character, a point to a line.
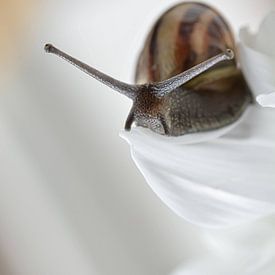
186	79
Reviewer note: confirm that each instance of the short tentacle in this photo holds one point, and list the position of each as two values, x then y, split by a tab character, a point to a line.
129	121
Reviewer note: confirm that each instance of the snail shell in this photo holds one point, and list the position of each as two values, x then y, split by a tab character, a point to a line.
184	36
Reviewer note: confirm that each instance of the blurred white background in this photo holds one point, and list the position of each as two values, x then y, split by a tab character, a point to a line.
71	199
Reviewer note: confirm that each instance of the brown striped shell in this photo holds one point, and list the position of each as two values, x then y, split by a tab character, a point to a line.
184	36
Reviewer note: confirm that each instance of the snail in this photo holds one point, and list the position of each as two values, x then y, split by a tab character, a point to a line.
187	79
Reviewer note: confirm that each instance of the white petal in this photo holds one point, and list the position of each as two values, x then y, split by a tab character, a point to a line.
247	250
257	57
221	182
264	40
266	100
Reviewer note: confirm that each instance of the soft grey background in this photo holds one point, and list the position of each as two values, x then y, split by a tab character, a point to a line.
71	199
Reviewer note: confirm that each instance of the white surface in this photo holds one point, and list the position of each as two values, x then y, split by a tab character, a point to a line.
70	196
258	60
217	182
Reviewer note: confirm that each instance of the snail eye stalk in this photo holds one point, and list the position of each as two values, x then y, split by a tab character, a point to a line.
164	87
123	88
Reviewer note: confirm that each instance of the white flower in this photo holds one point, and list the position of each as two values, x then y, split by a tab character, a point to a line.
225	177
258	60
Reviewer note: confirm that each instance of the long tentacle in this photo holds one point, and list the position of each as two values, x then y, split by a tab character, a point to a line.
124	88
164	87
